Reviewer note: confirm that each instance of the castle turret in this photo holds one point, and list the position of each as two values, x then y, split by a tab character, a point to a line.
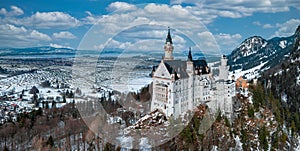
223	69
190	58
168	47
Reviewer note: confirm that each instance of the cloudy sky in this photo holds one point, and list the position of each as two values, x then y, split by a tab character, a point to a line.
137	24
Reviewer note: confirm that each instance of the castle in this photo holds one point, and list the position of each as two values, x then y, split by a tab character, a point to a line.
179	86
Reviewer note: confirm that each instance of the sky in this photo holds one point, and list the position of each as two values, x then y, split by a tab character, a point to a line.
136	24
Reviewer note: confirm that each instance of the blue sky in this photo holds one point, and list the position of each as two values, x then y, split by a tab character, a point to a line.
89	24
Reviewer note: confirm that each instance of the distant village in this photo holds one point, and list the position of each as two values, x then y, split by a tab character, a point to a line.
48	95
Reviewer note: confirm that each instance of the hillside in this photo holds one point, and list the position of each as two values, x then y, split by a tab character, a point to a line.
258	126
284	78
284	82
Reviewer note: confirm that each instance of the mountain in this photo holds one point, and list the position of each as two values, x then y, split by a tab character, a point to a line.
255	51
44	50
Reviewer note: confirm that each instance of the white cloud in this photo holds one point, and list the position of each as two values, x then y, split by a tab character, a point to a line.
178	40
91	19
227	41
293	3
267	26
45	20
147	45
59	46
161	14
175	16
120	6
3	11
64	35
89	13
209	10
144	38
287	29
151	14
50	20
117	44
111	43
148	32
13	36
98	47
207	41
38	35
14	11
256	23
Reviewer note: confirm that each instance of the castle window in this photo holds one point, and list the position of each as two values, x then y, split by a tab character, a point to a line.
162	74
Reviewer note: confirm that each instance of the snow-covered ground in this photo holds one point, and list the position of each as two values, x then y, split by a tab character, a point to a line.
282	44
249	74
123	74
132	85
298	147
27	80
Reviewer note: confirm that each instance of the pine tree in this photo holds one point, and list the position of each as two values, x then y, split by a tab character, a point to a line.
64	99
5	148
262	136
293	128
71	94
67	93
258	96
250	112
245	139
50	141
275	140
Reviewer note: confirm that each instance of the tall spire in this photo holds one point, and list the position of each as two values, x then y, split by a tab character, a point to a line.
168	47
190	58
190	64
169	39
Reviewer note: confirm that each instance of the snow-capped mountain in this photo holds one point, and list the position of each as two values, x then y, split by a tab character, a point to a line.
255	51
250	46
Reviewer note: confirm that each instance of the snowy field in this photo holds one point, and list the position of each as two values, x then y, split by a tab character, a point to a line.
122	74
249	74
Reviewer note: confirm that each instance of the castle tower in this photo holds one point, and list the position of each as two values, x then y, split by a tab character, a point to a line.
168	47
223	69
189	63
